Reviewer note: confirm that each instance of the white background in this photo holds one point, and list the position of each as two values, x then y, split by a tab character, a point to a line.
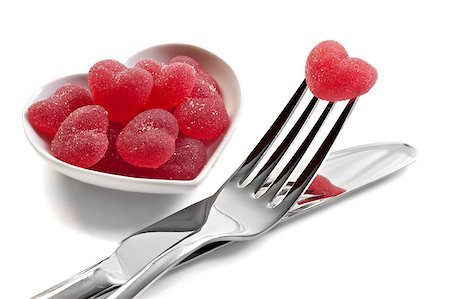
390	241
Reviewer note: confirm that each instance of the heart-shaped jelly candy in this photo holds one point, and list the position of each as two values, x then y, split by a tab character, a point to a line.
152	66
148	140
334	76
112	162
46	116
186	162
173	85
81	139
202	118
204	89
123	92
201	73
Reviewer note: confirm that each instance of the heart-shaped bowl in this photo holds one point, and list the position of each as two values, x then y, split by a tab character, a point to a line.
213	64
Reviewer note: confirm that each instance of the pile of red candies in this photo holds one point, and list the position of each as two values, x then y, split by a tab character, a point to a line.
147	121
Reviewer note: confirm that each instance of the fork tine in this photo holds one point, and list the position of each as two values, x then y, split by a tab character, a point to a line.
293	162
253	158
282	148
305	179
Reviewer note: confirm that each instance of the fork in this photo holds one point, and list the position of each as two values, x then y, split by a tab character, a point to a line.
237	211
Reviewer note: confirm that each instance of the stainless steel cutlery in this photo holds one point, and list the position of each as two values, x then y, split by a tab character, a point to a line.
257	196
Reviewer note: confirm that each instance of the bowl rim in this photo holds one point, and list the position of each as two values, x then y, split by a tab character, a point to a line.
188	184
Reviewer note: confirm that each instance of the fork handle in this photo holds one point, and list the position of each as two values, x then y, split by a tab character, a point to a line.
85	284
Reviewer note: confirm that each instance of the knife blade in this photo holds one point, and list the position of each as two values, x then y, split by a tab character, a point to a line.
350	169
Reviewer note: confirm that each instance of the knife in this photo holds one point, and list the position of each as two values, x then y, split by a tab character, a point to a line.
346	170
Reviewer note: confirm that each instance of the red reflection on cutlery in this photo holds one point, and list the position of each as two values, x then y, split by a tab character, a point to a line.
320	188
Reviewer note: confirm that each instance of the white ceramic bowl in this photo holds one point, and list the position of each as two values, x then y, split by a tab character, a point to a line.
214	65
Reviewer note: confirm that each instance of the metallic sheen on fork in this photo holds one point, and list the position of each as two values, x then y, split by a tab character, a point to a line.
233	213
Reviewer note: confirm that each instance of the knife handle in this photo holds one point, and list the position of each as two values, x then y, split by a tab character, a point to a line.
92	281
171	257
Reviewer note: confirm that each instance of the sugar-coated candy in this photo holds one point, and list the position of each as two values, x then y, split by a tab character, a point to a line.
208	78
149	149
186	59
147	121
204	118
154	119
112	162
172	87
203	89
201	73
152	66
123	92
332	75
46	116
186	162
87	118
83	149
81	139
148	140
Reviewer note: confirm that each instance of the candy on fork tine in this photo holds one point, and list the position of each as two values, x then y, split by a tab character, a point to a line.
235	212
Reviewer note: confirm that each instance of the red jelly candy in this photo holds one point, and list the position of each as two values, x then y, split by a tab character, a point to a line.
154	119
152	66
149	149
204	118
186	163
81	139
112	162
186	59
321	187
332	75
172	87
121	91
201	73
203	89
46	116
149	139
